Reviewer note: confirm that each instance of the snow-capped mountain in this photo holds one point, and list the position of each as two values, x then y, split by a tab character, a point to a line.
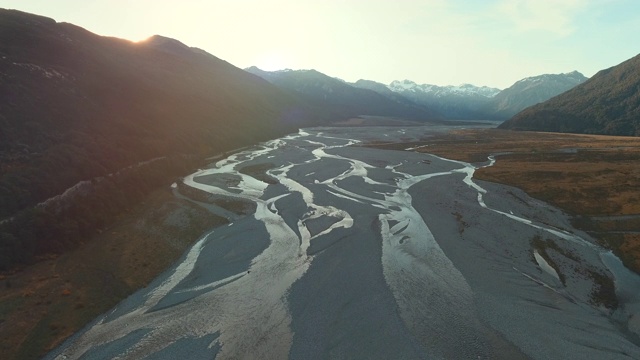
339	97
439	91
532	90
465	101
406	98
383	90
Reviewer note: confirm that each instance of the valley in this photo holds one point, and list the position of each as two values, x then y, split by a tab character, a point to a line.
160	202
362	252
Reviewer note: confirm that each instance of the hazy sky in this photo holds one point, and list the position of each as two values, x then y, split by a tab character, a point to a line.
443	42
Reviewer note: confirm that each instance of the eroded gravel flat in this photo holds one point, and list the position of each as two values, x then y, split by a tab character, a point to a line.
375	254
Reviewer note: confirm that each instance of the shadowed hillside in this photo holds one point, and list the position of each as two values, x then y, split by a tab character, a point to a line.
608	103
110	119
530	91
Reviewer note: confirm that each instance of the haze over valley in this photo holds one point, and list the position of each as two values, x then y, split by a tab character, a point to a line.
157	201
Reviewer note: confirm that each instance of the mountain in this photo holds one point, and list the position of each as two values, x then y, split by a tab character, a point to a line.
383	90
530	91
341	98
454	102
107	119
607	103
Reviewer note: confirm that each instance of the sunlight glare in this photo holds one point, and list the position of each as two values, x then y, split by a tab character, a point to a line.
141	39
271	62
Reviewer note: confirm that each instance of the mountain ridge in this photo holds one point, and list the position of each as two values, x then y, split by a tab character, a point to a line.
530	91
608	103
437	90
76	106
382	89
322	90
464	102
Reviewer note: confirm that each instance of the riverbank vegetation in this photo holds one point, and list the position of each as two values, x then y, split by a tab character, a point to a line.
43	304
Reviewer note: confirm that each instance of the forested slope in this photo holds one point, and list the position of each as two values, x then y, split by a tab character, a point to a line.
608	103
111	119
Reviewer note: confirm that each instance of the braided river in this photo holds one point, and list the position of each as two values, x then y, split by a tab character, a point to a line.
353	252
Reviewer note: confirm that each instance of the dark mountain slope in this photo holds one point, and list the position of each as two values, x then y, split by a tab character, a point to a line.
339	97
530	91
75	106
608	103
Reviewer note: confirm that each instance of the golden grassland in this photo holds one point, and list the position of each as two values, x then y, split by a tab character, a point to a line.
594	178
43	304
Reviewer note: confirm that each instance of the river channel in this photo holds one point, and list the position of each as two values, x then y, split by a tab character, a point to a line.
355	252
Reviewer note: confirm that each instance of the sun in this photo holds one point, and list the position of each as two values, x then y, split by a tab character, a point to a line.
272	62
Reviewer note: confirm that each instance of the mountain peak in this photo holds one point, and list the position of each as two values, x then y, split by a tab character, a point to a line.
165	43
609	103
439	91
159	40
532	90
404	82
574	76
174	46
340	97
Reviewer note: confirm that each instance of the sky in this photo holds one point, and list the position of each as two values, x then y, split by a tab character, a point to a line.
442	42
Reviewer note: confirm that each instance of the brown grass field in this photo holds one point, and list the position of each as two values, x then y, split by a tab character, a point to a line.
594	178
43	304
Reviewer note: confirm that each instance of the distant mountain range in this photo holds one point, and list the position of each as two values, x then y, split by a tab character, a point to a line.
419	101
607	103
454	102
382	89
338	96
481	102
